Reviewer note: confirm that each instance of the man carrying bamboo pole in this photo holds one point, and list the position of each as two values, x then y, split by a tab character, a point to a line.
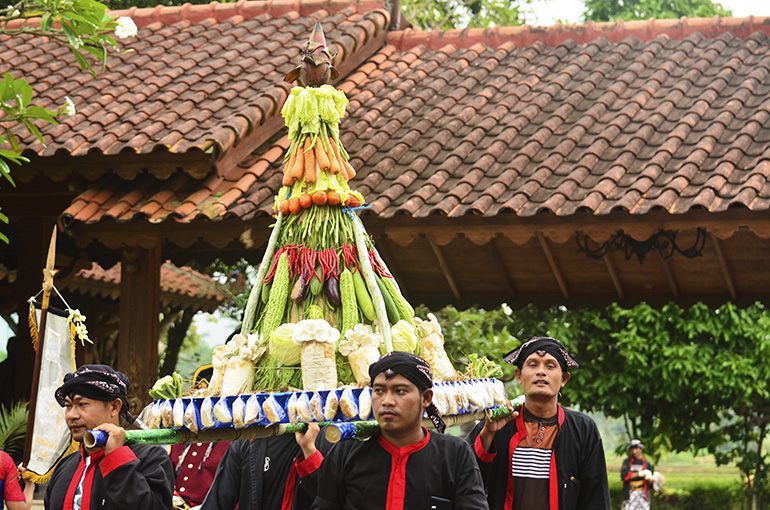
269	473
546	457
406	466
137	476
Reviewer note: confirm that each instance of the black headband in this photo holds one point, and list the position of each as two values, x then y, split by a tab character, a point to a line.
541	345
416	370
97	382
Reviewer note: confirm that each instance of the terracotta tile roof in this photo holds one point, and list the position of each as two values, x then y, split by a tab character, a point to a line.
649	115
200	77
181	287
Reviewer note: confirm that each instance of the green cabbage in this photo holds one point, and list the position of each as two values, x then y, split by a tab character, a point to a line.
404	337
282	348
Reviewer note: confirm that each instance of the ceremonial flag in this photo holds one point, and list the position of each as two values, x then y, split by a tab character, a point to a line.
51	438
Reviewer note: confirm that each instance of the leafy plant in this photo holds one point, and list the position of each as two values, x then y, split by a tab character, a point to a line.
84	26
13	427
627	10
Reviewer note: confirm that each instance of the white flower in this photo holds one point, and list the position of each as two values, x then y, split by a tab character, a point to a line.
359	337
68	108
506	309
314	330
126	28
16	12
78	320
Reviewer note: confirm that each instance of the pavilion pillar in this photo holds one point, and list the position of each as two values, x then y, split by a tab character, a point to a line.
139	320
32	245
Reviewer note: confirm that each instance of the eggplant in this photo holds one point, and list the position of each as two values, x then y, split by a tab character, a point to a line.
299	289
332	288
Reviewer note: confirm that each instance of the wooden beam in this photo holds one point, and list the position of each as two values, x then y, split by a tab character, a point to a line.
669	275
139	320
497	256
723	264
445	268
554	266
614	276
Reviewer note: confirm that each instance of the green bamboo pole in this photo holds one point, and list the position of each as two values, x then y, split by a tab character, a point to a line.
93	438
336	432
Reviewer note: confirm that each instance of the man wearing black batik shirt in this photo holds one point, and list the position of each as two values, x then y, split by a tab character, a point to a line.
117	477
272	473
546	457
405	467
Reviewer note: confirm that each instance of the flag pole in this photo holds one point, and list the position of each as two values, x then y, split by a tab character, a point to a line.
48	274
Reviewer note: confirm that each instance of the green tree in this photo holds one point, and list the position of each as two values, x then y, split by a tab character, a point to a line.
459	14
627	10
683	379
84	26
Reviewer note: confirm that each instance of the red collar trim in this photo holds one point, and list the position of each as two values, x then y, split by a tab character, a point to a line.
397	480
405	450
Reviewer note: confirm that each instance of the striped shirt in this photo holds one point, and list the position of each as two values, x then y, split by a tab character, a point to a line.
531	463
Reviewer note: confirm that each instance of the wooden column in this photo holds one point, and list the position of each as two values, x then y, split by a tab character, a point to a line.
139	320
31	247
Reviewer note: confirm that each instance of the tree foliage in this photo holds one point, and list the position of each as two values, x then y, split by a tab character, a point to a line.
683	379
459	14
627	10
84	26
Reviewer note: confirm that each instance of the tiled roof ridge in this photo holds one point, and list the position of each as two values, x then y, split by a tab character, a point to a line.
614	32
181	280
247	9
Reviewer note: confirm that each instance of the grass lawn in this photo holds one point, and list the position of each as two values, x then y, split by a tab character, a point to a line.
683	471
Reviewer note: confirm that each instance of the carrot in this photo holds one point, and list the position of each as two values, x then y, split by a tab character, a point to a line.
305	201
321	156
332	198
353	202
284	207
287	180
309	160
319	198
295	172
334	160
350	169
294	205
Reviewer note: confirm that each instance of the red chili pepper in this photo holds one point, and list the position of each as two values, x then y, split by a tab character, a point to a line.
334	262
274	266
308	262
350	257
295	263
377	267
323	260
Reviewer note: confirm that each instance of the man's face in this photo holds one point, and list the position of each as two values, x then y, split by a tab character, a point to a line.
83	414
636	452
541	376
398	404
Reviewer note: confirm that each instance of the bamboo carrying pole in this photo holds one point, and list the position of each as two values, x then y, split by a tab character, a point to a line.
97	438
334	432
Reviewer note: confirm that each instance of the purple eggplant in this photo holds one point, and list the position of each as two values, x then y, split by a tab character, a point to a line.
299	289
332	288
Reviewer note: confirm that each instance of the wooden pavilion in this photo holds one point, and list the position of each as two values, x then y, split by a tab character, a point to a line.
575	165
